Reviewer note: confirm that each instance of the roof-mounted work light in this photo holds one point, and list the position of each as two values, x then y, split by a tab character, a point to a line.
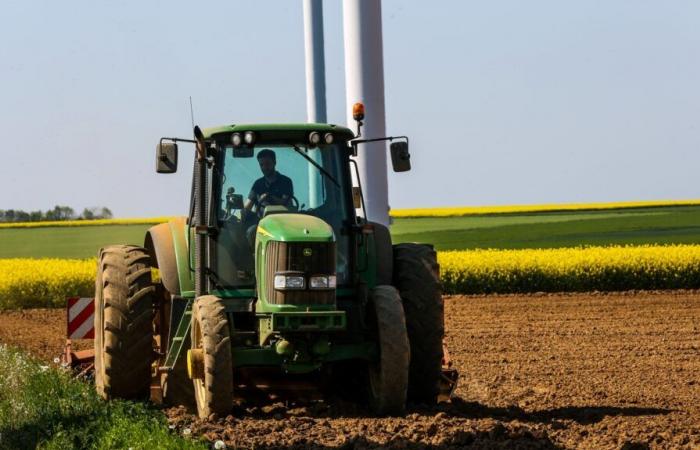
314	138
249	137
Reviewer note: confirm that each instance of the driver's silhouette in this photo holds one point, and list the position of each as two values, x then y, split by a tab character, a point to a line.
272	188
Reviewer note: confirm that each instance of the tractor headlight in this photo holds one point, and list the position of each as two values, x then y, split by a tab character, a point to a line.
289	281
315	138
328	138
249	137
322	282
236	139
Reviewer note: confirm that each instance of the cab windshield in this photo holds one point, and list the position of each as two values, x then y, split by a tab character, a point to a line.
282	177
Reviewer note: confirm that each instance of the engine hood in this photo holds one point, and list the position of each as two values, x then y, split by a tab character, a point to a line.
294	228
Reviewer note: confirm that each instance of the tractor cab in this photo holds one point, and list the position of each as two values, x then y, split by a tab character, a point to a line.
300	175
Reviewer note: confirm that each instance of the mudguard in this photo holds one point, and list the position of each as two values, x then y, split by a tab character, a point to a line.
383	252
167	245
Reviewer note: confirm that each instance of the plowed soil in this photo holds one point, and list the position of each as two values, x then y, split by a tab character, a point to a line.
540	371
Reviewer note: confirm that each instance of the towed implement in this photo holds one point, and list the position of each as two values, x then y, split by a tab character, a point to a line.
273	282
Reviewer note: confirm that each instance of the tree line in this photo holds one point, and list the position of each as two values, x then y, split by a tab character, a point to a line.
57	213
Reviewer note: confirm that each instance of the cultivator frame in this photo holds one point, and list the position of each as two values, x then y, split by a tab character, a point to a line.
82	364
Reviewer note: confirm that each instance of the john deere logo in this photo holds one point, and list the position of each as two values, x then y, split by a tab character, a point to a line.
308	252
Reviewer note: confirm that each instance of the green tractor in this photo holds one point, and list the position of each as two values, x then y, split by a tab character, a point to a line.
272	282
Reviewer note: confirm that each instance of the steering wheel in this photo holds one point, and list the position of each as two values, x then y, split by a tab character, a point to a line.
294	203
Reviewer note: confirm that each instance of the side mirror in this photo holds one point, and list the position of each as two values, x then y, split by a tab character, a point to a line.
166	157
400	158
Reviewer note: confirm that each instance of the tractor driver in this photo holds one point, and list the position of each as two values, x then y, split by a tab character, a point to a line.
272	188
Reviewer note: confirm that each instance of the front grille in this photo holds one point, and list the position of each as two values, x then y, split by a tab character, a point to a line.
289	256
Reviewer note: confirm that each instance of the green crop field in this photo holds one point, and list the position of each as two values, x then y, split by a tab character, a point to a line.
660	225
66	242
664	225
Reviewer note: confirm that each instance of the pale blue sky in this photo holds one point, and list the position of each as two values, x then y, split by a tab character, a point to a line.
505	102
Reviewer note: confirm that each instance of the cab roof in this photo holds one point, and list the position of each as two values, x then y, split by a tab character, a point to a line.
308	127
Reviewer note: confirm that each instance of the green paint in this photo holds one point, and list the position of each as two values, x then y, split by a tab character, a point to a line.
367	264
294	228
302	320
234	293
179	231
287	228
181	333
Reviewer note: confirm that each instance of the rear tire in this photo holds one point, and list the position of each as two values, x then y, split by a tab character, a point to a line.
124	295
417	277
388	376
210	333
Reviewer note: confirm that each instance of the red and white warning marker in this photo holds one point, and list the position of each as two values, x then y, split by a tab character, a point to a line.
81	318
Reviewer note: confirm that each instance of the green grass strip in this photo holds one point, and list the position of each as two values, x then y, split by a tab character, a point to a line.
43	407
458	211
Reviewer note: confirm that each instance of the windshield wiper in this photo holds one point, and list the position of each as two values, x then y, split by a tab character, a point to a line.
323	171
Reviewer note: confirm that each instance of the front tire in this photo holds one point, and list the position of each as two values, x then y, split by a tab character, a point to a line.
124	295
388	376
211	352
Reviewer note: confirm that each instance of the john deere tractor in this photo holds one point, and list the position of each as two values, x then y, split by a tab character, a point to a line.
272	282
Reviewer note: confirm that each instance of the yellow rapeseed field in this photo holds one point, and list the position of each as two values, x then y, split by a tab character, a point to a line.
571	269
31	283
86	223
27	283
475	210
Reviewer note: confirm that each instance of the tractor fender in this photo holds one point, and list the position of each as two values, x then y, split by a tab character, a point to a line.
384	253
167	247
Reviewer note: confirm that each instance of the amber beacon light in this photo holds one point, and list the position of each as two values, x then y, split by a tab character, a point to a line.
358	111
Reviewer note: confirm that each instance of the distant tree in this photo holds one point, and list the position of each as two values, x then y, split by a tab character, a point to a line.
63	212
105	213
96	212
57	213
87	214
60	213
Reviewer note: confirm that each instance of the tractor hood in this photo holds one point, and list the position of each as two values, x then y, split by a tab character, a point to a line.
294	228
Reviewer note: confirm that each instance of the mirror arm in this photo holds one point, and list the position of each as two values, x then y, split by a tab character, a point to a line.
388	138
354	142
191	141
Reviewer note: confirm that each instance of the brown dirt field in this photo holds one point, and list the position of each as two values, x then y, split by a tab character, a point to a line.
549	371
40	331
